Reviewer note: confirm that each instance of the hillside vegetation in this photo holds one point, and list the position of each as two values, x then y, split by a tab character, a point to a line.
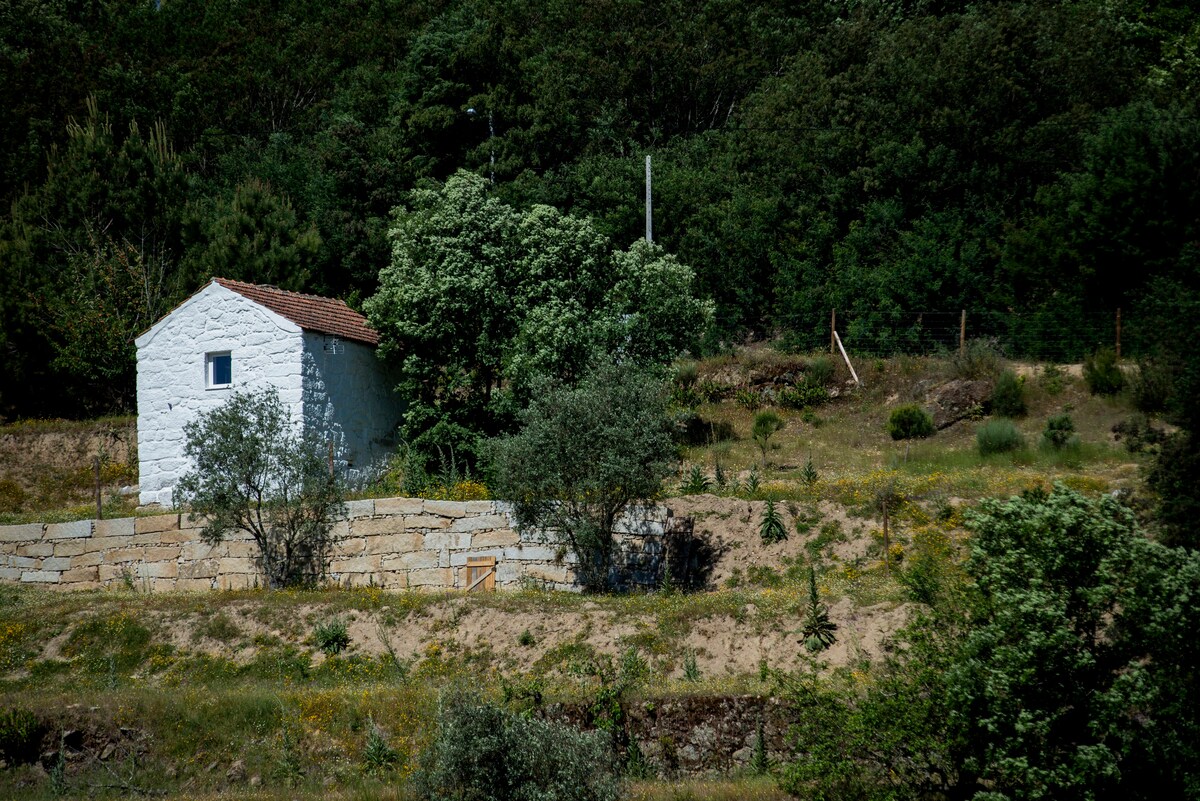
291	693
1029	162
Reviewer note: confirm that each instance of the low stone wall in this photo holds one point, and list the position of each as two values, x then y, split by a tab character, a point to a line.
394	543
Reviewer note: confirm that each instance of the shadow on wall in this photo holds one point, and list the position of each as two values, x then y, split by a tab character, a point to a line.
679	558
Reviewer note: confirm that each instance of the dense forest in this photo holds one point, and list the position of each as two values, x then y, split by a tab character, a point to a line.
1034	163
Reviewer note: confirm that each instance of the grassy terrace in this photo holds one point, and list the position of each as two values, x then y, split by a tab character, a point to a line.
207	695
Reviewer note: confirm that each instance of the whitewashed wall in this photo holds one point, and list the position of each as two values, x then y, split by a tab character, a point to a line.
267	351
349	400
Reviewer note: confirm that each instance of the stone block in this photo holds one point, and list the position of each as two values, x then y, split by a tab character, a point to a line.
426	522
76	586
351	546
246	550
158	570
399	506
41	576
415	560
81	574
164	553
27	562
85	560
117	527
29	532
72	530
507	573
179	537
531	553
203	568
555	573
192	551
355	564
10	573
71	547
446	508
495	539
356	509
376	526
238	581
459	558
192	521
453	541
395	543
479	523
229	565
113	573
162	585
56	563
193	584
102	544
145	525
481	508
36	549
434	577
123	555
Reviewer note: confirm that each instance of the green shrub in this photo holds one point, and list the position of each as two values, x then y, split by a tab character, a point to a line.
696	483
998	436
691	671
12	496
486	753
910	422
747	398
1059	431
20	736
526	639
819	371
378	755
331	636
1151	387
1102	373
804	395
1053	379
1008	396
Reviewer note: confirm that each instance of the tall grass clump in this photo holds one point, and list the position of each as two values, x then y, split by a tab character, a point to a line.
819	371
998	436
910	422
1102	373
1008	396
980	358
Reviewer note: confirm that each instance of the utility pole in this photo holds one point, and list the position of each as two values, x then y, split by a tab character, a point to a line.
649	213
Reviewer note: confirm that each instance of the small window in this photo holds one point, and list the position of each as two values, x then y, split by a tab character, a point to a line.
218	368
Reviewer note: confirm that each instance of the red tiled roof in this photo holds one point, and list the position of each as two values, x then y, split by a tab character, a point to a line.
310	312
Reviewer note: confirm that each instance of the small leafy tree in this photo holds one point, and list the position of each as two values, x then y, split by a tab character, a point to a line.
253	472
1008	396
766	423
585	456
818	630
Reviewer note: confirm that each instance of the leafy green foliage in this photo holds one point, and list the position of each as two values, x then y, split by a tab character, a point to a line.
1102	374
20	735
1058	673
771	530
378	755
910	422
817	633
252	472
697	482
803	396
585	456
1059	431
481	300
331	636
488	753
1008	396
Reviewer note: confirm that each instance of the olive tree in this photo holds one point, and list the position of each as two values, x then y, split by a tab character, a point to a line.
253	471
586	454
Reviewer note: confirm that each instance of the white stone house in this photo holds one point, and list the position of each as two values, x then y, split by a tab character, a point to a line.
317	352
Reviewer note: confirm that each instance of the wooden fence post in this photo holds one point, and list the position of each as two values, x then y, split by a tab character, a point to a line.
832	330
962	333
99	505
1118	332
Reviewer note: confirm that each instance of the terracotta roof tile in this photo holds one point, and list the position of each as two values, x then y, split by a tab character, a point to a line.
310	312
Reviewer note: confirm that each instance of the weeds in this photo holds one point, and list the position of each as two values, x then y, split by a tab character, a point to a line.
331	636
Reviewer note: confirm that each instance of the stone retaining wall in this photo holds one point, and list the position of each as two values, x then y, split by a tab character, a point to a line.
394	543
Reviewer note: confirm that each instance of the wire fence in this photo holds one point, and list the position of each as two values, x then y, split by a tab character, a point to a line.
1064	336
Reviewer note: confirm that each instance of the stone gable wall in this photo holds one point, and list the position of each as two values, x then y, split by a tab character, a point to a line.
395	543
